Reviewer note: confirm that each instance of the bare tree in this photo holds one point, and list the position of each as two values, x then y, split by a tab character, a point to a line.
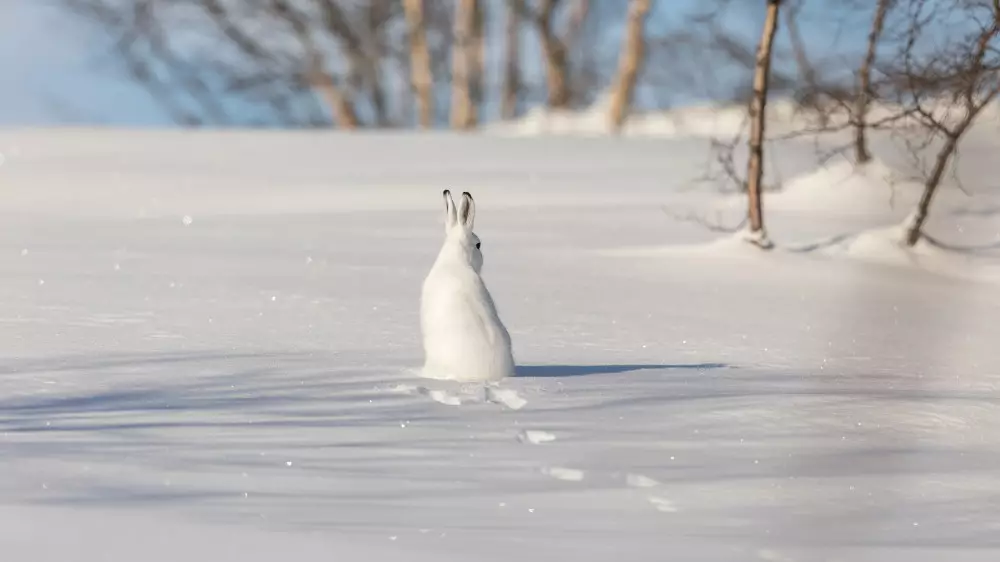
340	105
317	63
555	49
375	43
358	50
594	50
631	60
149	59
465	61
863	95
578	13
806	70
945	84
291	63
478	57
572	38
511	73
420	62
755	165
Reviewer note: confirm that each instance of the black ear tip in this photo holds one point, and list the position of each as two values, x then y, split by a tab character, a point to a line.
467	194
446	192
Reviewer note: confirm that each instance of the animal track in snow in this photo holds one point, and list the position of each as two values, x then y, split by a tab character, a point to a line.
535	437
640	481
773	556
439	396
402	389
562	473
477	394
444	397
662	504
506	396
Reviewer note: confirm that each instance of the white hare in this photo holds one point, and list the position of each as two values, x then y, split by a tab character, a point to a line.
464	338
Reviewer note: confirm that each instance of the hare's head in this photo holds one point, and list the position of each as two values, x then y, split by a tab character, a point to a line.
460	242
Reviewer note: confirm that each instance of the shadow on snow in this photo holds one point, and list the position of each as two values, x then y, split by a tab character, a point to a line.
559	371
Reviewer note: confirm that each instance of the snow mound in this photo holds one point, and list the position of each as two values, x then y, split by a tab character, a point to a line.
886	246
844	188
883	246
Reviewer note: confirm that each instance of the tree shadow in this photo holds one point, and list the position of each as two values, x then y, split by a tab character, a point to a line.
820	245
144	392
832	241
976	211
961	249
559	371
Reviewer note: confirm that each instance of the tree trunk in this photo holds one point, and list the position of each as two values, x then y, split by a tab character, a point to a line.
629	64
463	112
861	153
478	59
379	13
556	63
915	224
340	106
420	62
577	17
975	100
511	77
755	166
362	70
811	96
582	75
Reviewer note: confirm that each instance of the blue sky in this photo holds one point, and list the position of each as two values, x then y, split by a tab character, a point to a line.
54	72
58	71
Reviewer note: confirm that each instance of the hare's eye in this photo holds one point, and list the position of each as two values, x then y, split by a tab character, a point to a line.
478	244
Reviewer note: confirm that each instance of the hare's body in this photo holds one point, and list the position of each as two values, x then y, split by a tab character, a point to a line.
463	336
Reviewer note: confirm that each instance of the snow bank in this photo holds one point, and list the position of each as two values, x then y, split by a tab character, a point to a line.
886	246
880	246
845	188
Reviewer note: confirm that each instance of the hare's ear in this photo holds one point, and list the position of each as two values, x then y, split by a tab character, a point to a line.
467	210
450	215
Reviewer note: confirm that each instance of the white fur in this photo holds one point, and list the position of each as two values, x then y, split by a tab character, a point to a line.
464	338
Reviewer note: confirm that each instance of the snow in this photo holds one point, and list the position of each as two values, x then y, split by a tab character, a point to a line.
842	187
110	535
885	246
690	121
213	345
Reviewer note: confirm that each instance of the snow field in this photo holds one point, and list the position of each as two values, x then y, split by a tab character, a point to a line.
214	337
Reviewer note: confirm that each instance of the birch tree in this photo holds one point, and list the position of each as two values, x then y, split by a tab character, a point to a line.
758	105
863	96
944	84
630	62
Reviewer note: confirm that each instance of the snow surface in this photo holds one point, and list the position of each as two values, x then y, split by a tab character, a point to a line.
785	117
843	187
212	342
